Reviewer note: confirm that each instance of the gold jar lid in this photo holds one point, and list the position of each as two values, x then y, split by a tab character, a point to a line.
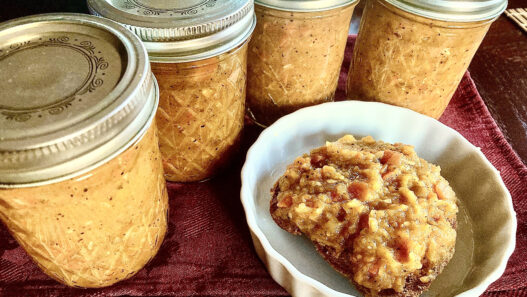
453	10
304	5
76	91
182	31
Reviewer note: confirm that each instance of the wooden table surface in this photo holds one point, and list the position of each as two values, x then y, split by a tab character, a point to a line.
499	67
499	70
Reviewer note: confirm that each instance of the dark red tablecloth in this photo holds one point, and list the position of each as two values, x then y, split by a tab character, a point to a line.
208	250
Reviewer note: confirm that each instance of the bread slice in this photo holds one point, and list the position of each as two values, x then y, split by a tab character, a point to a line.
413	287
414	284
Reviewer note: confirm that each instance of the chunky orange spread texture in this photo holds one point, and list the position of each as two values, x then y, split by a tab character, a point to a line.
95	229
411	61
390	211
200	114
294	59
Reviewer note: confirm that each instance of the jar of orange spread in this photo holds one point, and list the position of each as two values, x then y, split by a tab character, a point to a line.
198	51
81	181
295	55
413	53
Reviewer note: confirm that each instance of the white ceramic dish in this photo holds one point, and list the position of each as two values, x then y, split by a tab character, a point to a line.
486	221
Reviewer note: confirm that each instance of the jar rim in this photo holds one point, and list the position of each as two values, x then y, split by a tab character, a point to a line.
90	94
191	51
190	30
136	138
453	11
305	5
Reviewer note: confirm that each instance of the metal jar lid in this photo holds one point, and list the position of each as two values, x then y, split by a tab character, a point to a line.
453	10
76	90
304	5
182	31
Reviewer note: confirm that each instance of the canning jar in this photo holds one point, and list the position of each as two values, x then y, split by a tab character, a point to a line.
198	53
81	180
413	53
295	55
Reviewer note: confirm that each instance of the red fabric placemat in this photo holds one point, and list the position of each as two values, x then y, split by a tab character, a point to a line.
208	250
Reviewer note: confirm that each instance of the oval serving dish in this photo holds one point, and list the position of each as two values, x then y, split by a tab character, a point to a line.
486	218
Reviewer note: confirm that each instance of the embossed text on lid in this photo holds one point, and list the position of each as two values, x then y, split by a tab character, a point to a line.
73	86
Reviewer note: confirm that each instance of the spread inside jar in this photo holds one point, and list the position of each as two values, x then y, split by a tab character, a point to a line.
294	60
96	229
376	211
200	114
410	61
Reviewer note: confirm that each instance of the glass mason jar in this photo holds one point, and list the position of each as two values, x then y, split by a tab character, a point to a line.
295	55
81	180
414	53
198	53
202	112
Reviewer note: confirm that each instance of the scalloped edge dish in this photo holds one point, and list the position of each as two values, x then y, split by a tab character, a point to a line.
487	221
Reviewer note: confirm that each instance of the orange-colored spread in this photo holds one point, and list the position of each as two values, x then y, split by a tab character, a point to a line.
200	114
98	228
411	61
390	210
294	59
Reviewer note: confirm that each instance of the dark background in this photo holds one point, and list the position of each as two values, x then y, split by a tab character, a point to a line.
499	68
17	8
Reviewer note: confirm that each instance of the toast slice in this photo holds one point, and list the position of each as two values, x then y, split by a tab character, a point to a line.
298	209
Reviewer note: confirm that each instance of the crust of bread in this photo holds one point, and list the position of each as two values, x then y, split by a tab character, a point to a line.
284	223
